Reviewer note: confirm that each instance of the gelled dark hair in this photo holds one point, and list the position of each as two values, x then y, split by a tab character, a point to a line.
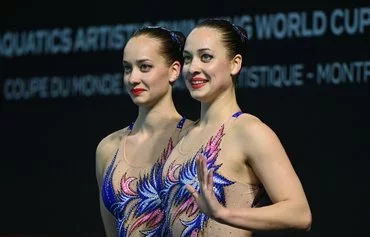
172	42
234	37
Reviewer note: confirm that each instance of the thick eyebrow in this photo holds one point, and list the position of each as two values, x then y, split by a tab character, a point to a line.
137	61
199	50
203	49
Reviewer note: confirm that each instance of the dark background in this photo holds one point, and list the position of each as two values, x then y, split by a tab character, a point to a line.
48	185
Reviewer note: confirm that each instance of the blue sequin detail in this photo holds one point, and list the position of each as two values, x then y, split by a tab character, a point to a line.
181	123
148	205
237	114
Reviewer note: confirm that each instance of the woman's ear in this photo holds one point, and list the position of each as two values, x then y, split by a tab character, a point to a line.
175	70
236	64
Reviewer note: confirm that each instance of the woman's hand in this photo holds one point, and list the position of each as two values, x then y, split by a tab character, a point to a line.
206	198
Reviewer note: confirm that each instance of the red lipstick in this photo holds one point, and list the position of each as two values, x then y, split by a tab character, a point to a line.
197	82
137	91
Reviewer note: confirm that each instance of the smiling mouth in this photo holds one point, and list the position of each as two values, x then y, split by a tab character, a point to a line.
137	91
197	83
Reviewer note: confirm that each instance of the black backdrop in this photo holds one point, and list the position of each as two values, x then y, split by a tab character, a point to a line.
48	139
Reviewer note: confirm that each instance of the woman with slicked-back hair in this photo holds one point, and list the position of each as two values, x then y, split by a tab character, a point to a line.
129	161
216	174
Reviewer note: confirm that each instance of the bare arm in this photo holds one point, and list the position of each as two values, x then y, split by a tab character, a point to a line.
108	221
267	157
104	154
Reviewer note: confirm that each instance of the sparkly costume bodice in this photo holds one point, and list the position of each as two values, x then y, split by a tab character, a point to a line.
135	203
183	216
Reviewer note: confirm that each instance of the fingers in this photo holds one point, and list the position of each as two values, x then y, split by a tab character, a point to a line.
199	169
205	176
205	171
193	191
210	179
202	169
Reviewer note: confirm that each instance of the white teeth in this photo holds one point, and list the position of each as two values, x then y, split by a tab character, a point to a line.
197	82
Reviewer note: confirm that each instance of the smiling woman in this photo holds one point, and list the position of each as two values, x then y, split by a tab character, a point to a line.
129	161
215	175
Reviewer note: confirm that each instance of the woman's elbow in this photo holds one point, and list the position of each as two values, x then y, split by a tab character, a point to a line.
305	220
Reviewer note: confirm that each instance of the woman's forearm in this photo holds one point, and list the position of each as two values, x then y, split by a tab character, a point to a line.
281	215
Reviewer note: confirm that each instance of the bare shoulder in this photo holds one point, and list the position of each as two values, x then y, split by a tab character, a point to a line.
256	138
248	126
109	143
105	150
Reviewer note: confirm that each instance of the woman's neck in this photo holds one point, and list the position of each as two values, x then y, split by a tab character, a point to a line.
156	117
219	110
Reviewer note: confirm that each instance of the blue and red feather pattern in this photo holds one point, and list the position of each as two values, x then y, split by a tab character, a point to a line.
144	203
182	200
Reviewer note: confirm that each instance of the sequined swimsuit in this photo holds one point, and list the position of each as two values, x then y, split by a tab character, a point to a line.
138	211
184	217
